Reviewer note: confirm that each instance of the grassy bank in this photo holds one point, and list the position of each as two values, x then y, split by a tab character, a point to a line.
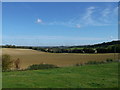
89	76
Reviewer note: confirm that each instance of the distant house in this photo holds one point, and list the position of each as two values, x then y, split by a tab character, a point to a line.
95	50
46	49
83	51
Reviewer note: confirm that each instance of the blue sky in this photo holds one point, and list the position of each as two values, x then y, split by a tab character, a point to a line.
54	24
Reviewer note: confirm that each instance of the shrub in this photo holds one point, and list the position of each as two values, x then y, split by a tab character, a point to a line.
17	63
80	64
41	66
77	64
92	62
7	63
109	60
95	62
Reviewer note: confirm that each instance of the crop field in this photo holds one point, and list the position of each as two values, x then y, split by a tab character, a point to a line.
88	76
28	57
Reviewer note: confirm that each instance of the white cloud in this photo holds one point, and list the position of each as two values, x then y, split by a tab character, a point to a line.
88	18
106	18
89	13
91	8
109	15
39	20
106	12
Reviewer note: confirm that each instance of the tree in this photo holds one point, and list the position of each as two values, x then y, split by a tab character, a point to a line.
77	51
89	50
17	64
101	50
7	63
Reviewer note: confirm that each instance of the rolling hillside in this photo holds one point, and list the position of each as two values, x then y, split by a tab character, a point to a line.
28	57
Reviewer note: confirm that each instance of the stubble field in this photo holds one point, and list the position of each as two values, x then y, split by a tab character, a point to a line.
28	57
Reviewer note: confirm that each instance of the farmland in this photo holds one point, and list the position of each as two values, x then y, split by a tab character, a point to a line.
67	76
28	57
88	76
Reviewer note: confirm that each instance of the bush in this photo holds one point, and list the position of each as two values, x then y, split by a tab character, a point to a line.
92	62
109	60
17	64
95	62
41	66
77	64
7	63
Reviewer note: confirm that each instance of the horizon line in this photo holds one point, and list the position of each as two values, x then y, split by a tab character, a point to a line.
61	45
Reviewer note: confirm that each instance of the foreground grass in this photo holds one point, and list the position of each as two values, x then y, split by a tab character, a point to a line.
89	76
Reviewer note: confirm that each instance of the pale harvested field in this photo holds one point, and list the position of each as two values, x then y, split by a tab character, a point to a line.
29	57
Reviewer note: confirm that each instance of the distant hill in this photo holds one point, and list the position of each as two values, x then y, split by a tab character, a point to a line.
105	47
104	44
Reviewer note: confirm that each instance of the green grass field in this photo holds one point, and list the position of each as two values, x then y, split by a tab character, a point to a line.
89	76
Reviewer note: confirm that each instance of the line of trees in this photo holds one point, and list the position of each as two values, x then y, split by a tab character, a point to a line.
98	48
58	50
109	49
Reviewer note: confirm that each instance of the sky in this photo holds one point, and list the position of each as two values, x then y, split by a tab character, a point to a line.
59	23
